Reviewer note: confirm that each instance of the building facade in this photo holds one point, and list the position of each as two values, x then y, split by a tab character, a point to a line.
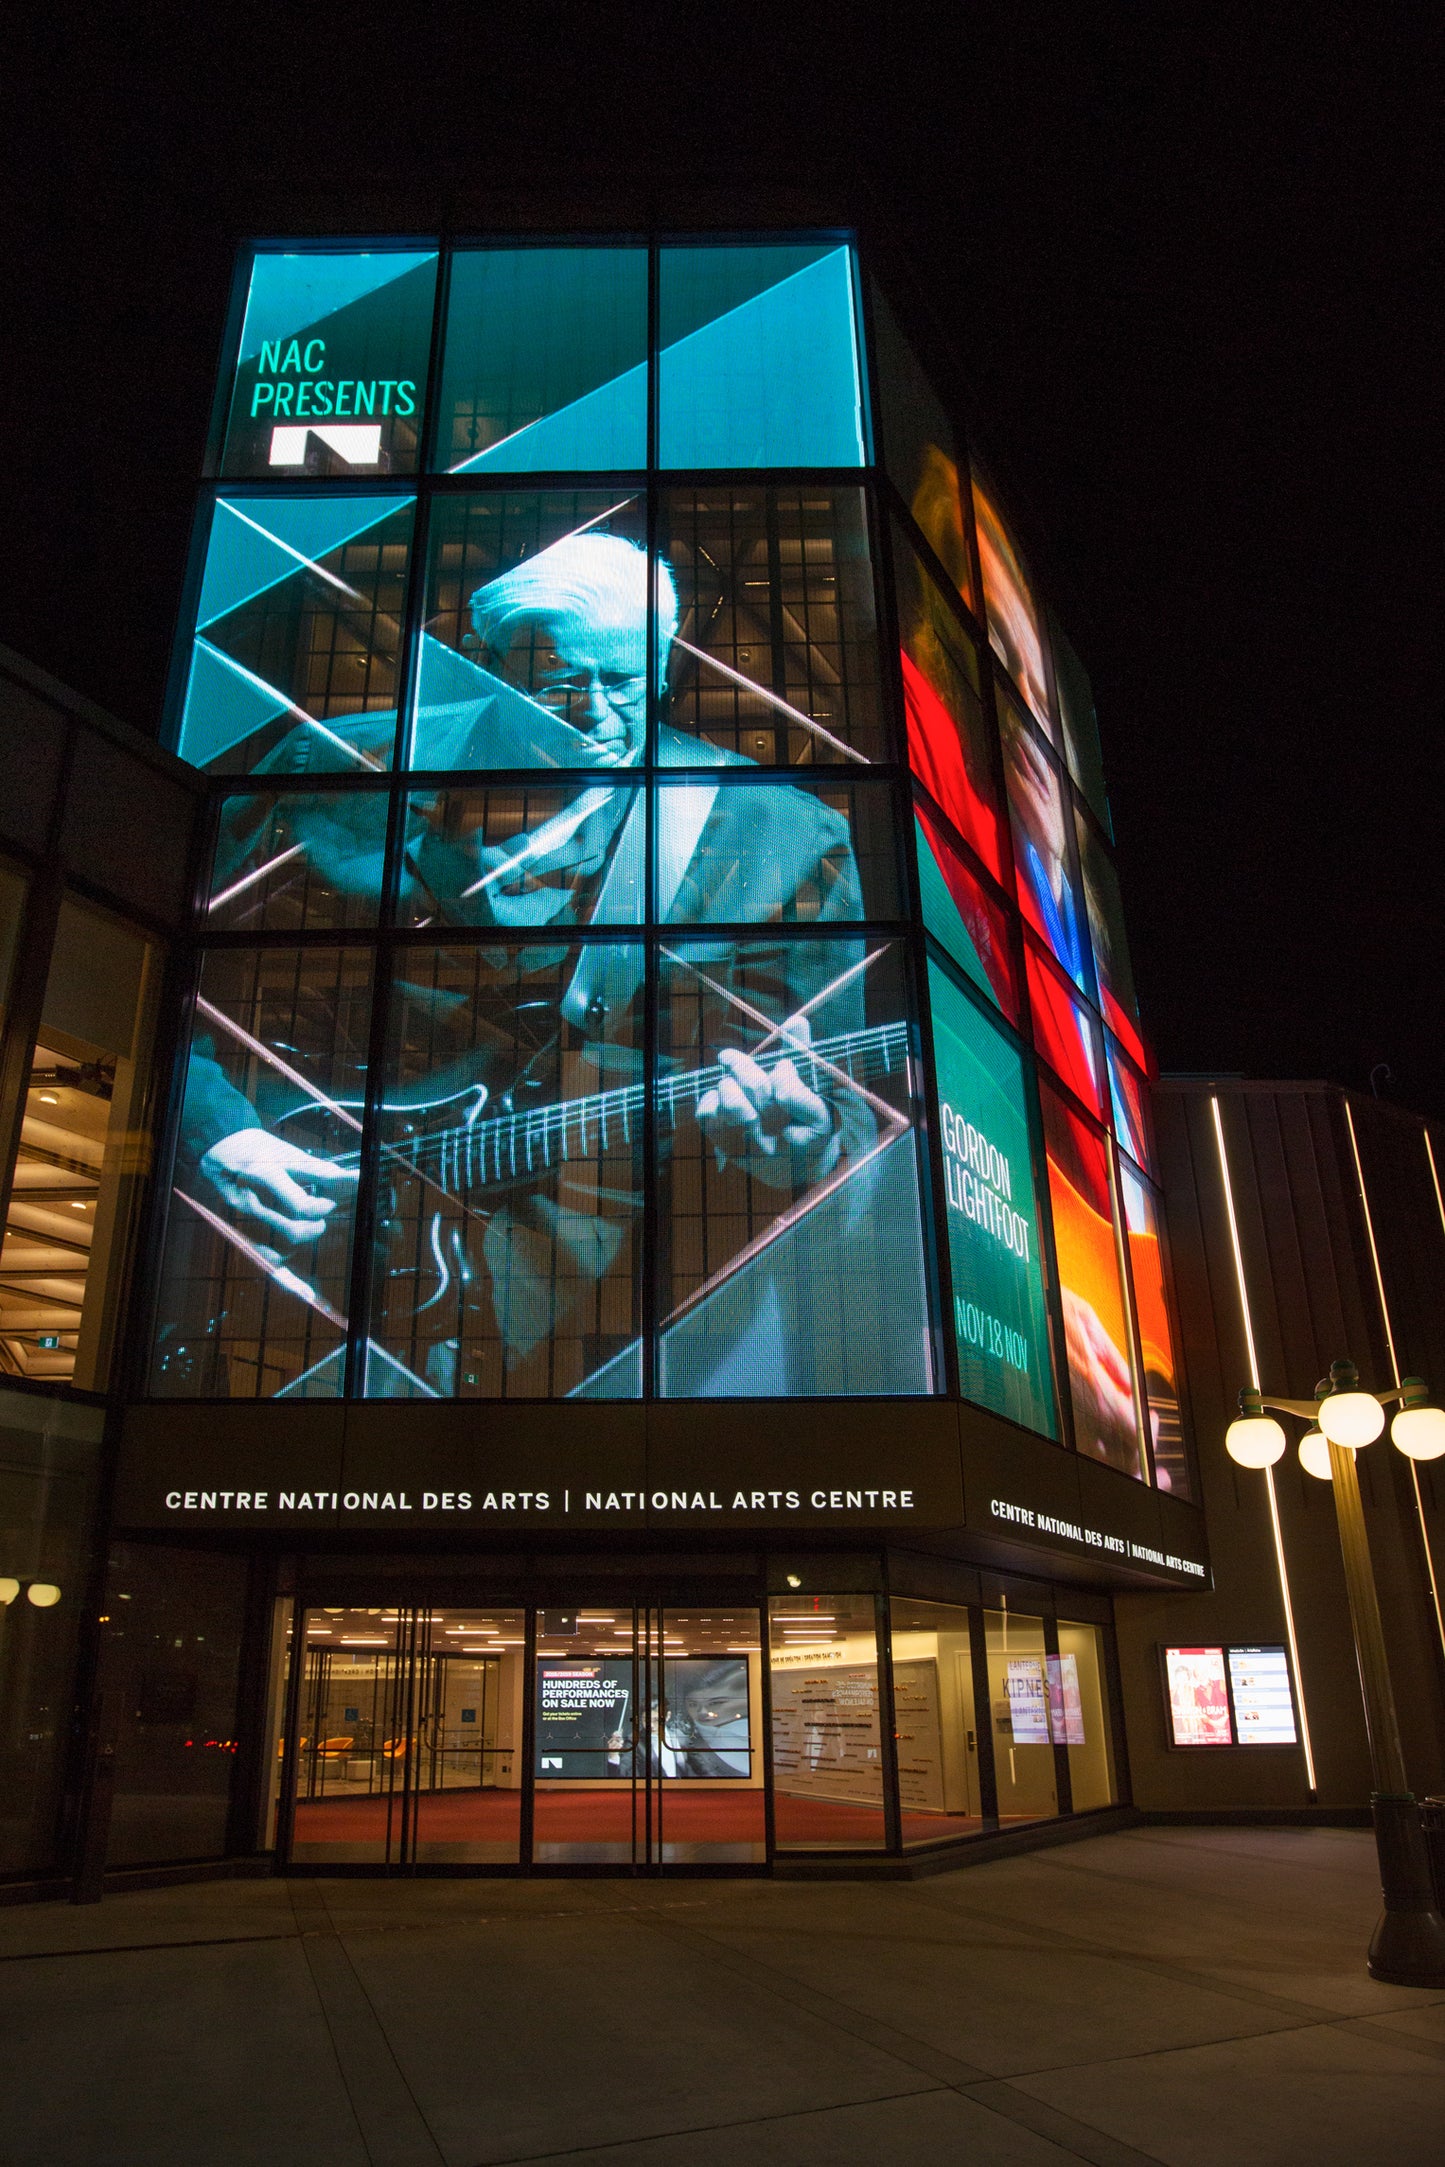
634	1326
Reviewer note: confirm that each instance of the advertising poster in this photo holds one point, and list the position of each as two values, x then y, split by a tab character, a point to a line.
1198	1697
1096	1326
706	1726
1263	1703
1066	1706
825	1734
1000	1318
584	1725
1028	1705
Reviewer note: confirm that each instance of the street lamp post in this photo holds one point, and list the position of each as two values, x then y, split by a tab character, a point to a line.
1408	1948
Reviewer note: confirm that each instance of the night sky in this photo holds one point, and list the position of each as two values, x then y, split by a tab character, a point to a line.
1188	259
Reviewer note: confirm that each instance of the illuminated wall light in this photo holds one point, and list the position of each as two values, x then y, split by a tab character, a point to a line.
1394	1358
1254	1378
44	1594
9	1589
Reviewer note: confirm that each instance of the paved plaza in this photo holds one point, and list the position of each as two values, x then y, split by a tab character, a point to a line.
1189	1996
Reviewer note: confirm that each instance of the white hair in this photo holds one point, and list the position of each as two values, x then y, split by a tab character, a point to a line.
599	577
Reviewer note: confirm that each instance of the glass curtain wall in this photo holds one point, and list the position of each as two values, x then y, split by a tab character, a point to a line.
576	672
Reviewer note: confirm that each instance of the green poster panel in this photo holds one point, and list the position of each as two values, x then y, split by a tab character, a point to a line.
1000	1316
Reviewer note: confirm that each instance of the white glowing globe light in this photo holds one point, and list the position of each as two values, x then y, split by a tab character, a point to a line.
1254	1441
1420	1432
9	1589
43	1593
1351	1418
1314	1456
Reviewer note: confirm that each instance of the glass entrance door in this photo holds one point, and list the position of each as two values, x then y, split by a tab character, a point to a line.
406	1748
647	1738
644	1725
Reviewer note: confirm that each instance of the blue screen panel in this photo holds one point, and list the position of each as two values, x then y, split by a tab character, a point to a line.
759	359
545	368
331	372
294	661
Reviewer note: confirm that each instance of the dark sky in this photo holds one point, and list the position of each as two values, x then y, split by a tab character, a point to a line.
1188	258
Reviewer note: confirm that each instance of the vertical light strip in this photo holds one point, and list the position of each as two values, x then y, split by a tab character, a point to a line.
1390	1342
1254	1378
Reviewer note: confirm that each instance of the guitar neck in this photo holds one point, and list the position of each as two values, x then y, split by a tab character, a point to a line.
506	1146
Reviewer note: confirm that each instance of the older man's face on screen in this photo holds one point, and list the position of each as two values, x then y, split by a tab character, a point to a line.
593	675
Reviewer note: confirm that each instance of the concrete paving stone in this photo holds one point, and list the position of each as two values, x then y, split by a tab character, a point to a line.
197	1911
529	2036
1006	2009
1326	2096
927	2129
216	2056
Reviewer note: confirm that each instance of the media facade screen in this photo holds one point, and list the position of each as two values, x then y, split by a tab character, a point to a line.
584	836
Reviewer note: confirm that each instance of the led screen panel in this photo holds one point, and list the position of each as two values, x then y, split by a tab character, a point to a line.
1198	1697
1161	1377
1013	611
758	362
1126	1094
1110	944
790	1258
522	856
297	861
949	742
331	372
585	1712
1082	749
919	449
1000	1313
1096	1323
962	917
1048	885
1066	1035
769	853
1259	1688
533	650
545	363
293	664
775	654
508	1253
255	1276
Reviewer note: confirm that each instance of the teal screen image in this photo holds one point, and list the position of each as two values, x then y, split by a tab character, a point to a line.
1000	1315
331	372
759	358
546	361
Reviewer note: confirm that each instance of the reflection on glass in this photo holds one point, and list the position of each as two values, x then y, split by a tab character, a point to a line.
759	360
760	853
1161	1384
827	1747
948	739
1111	947
173	1660
298	636
1018	1691
256	1268
331	371
546	361
1013	616
534	652
1096	1327
306	861
790	1258
511	1176
524	855
70	1215
1065	1033
962	917
49	1469
919	450
776	650
1078	1715
933	1709
1081	726
1000	1312
1048	892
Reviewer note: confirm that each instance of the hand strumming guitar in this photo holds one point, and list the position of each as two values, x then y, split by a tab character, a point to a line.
266	1179
767	1120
